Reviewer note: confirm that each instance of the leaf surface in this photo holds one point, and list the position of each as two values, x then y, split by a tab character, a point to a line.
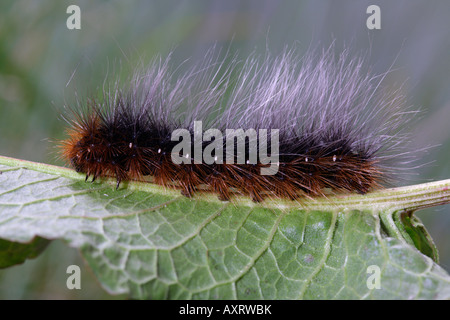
156	244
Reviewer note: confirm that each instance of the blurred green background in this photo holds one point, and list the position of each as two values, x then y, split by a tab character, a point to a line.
39	55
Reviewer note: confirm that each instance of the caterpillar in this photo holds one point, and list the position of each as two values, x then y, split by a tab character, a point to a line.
337	128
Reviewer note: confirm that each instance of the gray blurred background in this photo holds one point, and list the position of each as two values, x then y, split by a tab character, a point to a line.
39	55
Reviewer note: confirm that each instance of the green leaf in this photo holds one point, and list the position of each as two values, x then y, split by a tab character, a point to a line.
156	244
12	253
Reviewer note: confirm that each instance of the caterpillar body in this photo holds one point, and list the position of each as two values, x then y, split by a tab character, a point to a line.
338	129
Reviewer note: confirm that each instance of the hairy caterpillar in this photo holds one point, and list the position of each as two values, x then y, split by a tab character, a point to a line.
337	129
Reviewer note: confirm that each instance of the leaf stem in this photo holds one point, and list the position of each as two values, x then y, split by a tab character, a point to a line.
409	198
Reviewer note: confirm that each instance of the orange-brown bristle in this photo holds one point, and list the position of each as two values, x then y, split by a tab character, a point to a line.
96	152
